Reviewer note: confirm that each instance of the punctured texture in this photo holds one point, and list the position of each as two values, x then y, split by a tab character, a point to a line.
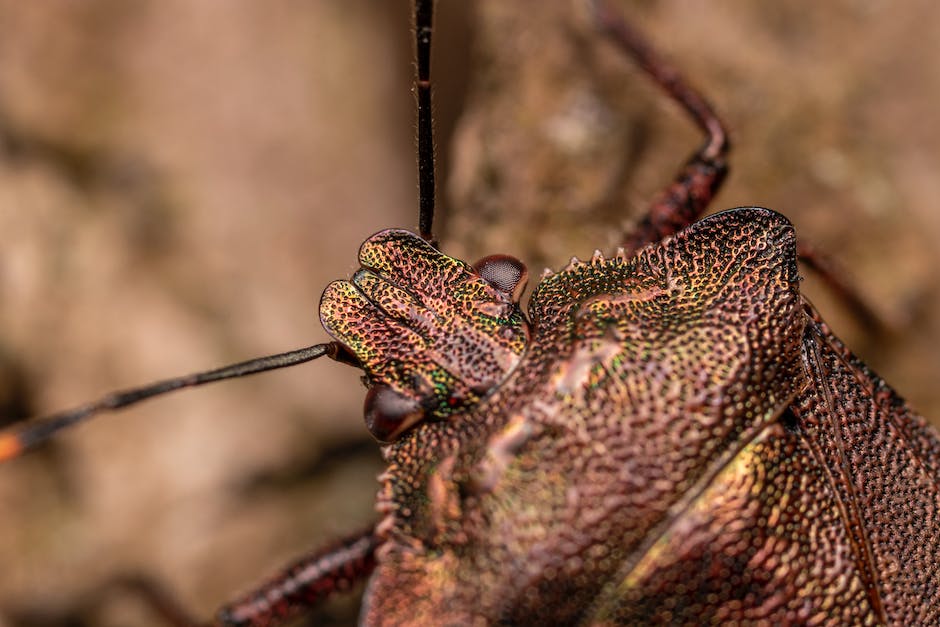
682	441
425	324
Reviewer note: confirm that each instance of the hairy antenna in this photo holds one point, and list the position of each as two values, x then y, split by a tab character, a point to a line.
424	14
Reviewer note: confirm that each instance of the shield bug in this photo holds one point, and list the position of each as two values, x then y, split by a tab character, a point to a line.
568	248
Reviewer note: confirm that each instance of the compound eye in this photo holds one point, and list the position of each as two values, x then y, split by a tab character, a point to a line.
389	413
505	273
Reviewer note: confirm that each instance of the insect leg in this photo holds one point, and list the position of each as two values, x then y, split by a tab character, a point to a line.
835	277
687	197
308	581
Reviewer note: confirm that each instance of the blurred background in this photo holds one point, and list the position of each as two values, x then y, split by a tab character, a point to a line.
179	181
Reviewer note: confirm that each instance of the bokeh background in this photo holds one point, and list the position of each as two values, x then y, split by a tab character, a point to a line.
180	180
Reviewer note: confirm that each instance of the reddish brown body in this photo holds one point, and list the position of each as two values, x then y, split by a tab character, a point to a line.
683	440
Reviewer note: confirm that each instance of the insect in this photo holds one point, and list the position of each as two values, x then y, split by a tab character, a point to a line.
342	272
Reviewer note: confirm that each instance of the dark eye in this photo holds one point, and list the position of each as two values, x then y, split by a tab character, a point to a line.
505	273
389	413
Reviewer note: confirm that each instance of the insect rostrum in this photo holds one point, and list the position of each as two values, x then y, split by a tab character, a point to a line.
594	348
